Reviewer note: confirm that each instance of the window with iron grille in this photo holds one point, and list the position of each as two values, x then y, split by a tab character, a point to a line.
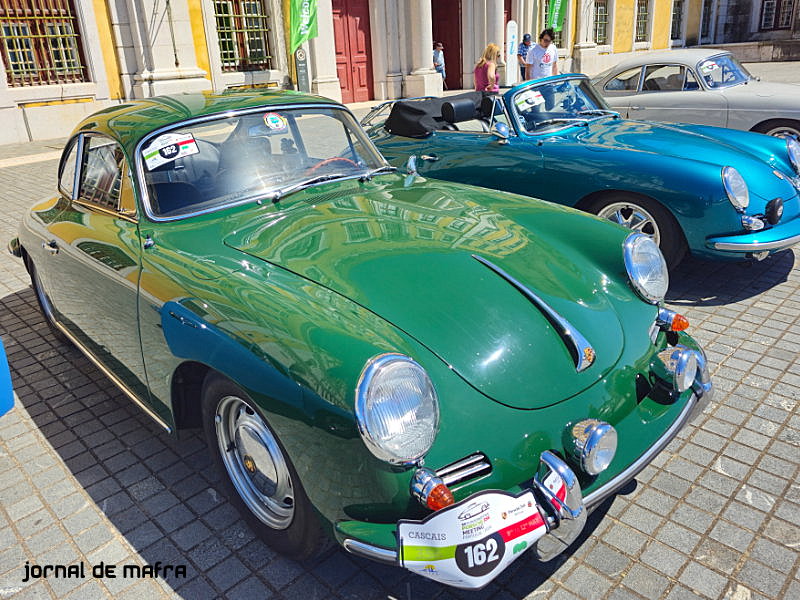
705	19
242	29
777	14
642	20
41	43
558	37
677	20
601	21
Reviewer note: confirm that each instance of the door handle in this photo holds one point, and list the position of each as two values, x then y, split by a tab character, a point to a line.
429	157
636	107
148	242
183	320
51	246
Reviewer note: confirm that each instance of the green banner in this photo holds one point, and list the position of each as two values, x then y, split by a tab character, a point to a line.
556	13
302	22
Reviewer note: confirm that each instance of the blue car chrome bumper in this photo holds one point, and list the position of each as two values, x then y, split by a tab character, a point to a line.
780	237
6	392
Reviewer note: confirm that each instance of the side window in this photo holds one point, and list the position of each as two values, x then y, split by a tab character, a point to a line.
664	78
66	170
627	81
691	81
101	172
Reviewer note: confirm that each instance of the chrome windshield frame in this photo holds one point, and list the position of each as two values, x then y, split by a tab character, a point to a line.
139	164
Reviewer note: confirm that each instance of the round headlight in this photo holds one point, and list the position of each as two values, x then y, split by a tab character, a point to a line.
592	444
397	409
793	146
736	188
646	267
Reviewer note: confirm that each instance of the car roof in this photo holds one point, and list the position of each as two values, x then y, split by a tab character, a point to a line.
685	56
128	123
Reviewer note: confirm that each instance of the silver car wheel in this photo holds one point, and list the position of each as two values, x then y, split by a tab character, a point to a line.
255	462
783	131
633	217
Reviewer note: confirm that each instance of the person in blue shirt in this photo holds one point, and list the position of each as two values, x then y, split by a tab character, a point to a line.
522	53
438	60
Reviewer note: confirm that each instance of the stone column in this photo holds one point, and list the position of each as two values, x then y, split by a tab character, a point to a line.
496	31
164	48
584	52
423	79
323	55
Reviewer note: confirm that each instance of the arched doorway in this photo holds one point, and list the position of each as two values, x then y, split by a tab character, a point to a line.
446	16
353	51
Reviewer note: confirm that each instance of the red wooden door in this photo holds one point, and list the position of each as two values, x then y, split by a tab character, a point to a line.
447	29
352	41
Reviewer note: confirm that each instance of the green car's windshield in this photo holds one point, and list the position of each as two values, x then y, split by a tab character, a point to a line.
722	71
557	104
236	158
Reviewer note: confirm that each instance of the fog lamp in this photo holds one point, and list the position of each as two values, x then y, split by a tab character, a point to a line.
592	444
774	210
752	223
430	490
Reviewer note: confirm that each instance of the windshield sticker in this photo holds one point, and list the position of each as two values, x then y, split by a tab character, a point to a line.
168	147
276	122
708	67
529	98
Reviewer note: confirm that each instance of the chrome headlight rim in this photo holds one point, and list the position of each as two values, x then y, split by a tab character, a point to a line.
369	372
629	247
793	149
735	188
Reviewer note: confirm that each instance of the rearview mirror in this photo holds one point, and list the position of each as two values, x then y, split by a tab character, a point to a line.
500	131
411	165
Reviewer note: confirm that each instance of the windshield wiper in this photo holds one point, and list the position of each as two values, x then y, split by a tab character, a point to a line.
280	193
599	111
560	120
370	174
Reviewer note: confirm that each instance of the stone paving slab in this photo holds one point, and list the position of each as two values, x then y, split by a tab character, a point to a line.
86	476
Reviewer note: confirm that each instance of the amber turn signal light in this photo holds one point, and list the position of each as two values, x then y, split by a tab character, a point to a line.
430	490
440	497
679	323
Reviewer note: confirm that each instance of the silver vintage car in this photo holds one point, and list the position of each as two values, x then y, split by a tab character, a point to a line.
705	86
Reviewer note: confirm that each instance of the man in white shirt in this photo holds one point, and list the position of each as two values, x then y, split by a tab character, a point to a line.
542	58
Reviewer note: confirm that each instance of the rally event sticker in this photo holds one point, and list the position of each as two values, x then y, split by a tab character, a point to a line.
708	67
529	98
168	147
470	543
275	122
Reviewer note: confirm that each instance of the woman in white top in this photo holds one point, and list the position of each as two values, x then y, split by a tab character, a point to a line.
542	58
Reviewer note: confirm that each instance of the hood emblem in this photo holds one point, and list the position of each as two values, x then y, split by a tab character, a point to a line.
578	346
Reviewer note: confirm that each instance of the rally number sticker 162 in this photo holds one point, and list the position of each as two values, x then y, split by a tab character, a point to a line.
468	544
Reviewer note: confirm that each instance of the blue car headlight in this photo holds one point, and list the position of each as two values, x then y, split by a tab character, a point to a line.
793	148
646	267
736	188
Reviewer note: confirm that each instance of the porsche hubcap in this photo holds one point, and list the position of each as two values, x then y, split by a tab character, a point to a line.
633	217
255	463
783	131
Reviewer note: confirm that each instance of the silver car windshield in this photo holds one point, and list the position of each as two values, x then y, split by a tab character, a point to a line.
253	155
722	71
557	104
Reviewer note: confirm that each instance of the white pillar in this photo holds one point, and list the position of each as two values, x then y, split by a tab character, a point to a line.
584	52
164	48
323	55
496	32
423	79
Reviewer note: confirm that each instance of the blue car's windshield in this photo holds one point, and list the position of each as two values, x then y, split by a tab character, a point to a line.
722	71
557	104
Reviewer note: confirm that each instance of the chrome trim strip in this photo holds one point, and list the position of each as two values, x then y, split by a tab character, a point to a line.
581	350
139	176
460	464
111	375
467	473
377	553
600	494
758	246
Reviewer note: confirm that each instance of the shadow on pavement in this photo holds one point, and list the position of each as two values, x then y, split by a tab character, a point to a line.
704	283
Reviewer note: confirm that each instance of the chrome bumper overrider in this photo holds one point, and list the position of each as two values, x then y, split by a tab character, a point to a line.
566	518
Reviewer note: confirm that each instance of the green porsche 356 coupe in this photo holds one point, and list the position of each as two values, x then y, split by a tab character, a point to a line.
434	375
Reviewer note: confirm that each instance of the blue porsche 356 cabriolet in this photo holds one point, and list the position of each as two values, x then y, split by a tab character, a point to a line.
716	193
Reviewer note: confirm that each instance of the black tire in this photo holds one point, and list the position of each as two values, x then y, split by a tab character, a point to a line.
661	222
299	537
44	303
779	127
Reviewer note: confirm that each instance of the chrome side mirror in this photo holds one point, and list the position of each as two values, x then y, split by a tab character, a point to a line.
411	165
500	131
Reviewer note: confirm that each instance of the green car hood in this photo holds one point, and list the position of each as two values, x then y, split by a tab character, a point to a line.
681	142
406	254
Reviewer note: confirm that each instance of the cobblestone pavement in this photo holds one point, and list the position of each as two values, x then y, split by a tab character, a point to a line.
86	476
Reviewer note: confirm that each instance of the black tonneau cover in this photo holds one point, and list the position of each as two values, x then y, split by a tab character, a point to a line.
418	118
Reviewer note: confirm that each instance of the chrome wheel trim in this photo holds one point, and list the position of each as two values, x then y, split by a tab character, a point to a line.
255	463
632	216
783	131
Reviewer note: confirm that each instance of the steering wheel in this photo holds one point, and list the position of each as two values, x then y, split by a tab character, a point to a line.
333	159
